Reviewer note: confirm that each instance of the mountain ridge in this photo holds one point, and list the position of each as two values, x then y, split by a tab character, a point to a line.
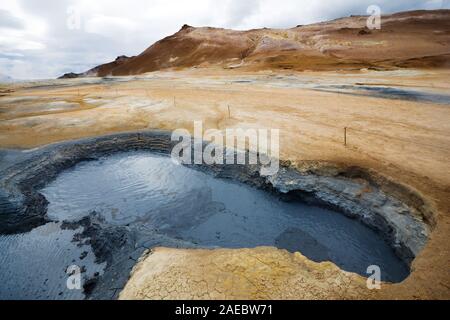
412	39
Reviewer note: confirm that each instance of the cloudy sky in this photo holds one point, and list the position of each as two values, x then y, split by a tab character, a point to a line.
46	38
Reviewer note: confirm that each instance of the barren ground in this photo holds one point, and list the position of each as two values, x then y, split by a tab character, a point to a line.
406	140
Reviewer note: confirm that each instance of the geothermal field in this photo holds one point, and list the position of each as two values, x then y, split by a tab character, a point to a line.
88	186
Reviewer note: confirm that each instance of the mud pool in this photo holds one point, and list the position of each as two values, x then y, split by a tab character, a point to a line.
154	202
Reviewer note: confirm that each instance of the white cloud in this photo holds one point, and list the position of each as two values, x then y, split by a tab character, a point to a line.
13	43
35	40
107	25
433	4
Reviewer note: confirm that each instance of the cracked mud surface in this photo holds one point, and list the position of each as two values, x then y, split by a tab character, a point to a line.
261	273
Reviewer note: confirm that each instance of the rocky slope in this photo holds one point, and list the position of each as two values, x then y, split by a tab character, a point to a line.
416	39
99	70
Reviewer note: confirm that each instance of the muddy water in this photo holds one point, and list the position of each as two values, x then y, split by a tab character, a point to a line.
158	199
153	193
35	265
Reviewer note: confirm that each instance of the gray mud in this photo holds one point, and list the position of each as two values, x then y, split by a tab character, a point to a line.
387	92
103	218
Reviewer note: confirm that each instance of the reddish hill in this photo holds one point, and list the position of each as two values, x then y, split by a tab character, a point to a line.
416	39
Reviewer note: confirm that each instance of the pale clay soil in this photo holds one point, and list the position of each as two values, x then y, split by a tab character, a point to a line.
408	141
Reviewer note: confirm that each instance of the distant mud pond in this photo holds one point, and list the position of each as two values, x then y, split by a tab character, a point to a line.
117	206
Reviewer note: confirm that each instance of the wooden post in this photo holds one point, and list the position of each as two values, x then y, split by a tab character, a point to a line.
174	102
345	136
229	112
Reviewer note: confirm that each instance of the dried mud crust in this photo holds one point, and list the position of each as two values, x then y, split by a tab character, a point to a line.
256	274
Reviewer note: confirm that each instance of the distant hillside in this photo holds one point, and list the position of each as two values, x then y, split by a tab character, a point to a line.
415	39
